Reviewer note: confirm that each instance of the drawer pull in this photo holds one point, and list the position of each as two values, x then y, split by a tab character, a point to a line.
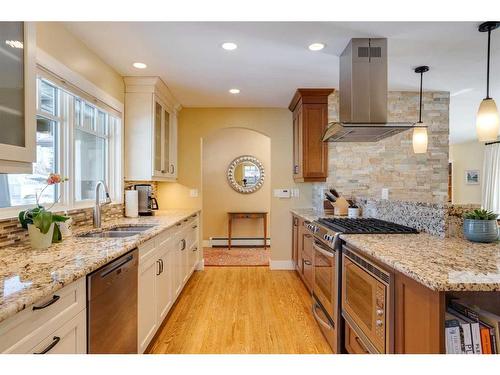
178	224
307	262
183	247
55	341
47	304
194	226
195	249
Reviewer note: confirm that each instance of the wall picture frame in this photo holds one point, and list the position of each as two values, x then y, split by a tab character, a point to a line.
472	177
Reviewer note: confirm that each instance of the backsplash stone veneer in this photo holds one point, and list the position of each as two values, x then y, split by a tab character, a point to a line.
11	232
363	169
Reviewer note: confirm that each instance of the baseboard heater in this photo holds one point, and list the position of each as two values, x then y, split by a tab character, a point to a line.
239	242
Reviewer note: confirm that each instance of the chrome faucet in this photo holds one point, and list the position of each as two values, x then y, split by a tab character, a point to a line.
98	204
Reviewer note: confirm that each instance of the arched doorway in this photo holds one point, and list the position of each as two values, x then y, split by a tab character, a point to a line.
219	148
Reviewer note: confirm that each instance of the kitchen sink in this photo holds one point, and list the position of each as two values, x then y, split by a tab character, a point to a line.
134	228
109	234
118	232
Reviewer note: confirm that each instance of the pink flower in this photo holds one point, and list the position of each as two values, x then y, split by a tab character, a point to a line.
55	178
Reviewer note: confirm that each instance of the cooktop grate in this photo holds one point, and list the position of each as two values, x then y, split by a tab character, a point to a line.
362	225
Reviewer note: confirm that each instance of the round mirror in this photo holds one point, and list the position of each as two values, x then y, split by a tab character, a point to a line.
245	174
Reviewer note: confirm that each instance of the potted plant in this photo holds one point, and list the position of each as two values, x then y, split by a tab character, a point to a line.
40	222
481	226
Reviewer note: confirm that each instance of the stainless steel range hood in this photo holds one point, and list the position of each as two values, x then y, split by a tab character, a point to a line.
363	94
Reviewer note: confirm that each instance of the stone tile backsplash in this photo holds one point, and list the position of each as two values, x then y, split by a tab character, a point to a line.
363	169
11	232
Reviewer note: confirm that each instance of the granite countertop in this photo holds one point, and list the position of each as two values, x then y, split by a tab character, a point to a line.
442	264
27	275
309	214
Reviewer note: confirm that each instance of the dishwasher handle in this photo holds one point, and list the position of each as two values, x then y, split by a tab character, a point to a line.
105	277
114	266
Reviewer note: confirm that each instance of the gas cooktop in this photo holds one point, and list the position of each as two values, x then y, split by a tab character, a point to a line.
364	226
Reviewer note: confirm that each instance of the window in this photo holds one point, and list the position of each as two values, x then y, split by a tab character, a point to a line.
75	138
91	145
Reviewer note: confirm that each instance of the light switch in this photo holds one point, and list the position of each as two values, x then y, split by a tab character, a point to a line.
282	193
193	193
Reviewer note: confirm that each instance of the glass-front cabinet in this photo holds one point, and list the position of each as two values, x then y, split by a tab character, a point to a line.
165	141
17	97
150	130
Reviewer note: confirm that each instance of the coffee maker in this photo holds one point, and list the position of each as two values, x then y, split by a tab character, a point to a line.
147	203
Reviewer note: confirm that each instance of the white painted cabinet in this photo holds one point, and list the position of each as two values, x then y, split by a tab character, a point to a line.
165	265
17	97
147	313
164	281
56	324
150	130
70	338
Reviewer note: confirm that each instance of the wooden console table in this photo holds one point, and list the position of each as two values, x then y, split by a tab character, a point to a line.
245	215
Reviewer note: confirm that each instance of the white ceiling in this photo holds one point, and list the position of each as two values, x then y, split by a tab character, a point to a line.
272	59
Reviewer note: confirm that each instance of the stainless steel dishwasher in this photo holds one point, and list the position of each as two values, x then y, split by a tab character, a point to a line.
112	307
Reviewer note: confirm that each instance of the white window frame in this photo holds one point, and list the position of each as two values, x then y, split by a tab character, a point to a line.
66	142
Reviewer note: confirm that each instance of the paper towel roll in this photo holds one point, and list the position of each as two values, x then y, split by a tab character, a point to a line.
131	203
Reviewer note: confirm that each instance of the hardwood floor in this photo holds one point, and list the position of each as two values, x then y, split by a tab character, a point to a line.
241	310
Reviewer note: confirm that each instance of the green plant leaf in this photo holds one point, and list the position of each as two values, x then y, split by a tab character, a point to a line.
43	221
59	218
480	214
57	236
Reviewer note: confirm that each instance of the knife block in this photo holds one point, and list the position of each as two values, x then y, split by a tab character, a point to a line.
328	207
341	206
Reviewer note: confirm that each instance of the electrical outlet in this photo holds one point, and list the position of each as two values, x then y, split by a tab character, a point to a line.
193	193
385	193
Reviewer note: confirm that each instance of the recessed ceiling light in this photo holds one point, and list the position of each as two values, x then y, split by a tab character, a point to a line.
234	91
14	43
139	65
229	46
316	46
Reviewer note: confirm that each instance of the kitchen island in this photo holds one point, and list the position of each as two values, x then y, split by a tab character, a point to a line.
423	274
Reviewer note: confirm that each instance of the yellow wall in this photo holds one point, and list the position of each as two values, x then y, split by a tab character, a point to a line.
466	156
219	149
276	123
57	41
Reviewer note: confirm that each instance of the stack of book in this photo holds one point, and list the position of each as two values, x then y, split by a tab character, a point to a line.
471	330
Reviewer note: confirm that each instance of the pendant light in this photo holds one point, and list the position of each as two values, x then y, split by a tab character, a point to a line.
487	121
420	138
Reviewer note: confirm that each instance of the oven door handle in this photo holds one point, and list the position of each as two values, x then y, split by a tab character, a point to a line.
322	251
318	319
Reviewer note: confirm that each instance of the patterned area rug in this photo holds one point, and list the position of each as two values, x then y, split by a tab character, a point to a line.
237	256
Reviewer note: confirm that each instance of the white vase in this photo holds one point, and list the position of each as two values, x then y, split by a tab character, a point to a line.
38	240
65	227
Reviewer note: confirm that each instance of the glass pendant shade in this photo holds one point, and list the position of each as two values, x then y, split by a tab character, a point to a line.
420	140
487	121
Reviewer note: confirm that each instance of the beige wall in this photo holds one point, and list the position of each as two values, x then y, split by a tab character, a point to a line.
464	156
219	149
57	41
276	123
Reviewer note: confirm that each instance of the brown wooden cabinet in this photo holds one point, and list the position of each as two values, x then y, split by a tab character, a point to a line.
310	120
302	251
353	344
419	318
